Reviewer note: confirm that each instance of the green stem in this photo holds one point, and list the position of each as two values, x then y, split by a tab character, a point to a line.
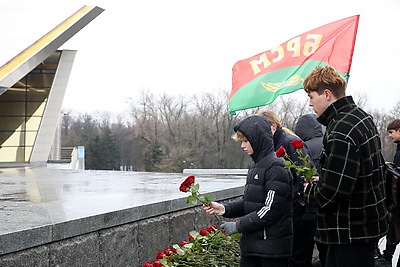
218	217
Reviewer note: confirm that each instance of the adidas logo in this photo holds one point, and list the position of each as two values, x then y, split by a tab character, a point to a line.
256	177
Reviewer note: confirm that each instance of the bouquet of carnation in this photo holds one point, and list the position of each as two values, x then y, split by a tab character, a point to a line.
304	169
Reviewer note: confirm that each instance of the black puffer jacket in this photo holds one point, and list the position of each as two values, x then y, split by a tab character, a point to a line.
310	131
266	206
282	138
396	159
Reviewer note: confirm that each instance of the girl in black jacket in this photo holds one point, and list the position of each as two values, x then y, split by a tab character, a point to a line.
303	235
266	207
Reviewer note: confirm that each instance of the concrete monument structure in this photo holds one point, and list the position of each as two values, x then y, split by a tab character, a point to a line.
60	217
34	74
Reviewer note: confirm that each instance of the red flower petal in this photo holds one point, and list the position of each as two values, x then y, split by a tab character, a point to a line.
297	144
148	264
203	232
160	255
167	251
183	188
156	263
187	183
182	243
280	152
211	228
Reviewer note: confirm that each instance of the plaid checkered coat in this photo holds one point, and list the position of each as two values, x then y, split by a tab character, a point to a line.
350	194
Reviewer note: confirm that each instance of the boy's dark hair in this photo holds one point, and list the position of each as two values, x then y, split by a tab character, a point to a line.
394	125
326	77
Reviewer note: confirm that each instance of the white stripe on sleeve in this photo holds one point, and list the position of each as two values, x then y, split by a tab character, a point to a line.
268	202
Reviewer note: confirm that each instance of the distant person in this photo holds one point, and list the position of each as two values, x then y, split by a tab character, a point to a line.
310	131
266	207
394	133
350	193
393	235
282	137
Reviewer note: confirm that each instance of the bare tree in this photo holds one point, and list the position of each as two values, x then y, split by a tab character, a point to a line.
168	134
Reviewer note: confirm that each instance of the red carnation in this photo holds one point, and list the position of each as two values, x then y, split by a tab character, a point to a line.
297	144
203	232
156	263
186	184
167	251
148	264
280	152
191	237
182	243
174	251
211	228
160	255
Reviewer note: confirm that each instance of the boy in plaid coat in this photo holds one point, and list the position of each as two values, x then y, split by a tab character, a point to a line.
350	193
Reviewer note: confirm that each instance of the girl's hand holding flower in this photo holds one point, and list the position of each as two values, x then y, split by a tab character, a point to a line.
214	208
191	187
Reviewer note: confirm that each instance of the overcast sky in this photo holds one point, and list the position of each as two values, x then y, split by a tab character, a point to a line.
183	47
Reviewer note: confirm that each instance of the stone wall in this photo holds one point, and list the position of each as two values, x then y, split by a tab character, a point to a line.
122	238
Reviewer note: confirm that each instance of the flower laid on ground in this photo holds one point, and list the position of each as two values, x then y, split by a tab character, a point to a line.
155	263
189	185
208	247
304	169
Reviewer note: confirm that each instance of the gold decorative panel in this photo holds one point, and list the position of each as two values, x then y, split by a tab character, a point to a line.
21	111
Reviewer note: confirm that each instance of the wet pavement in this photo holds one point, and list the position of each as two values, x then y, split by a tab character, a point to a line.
34	197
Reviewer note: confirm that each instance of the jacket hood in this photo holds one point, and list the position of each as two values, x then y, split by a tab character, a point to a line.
258	131
308	127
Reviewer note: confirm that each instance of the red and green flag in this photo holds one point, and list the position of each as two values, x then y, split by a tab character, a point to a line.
259	80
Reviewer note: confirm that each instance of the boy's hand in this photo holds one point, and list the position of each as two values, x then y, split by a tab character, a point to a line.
306	181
